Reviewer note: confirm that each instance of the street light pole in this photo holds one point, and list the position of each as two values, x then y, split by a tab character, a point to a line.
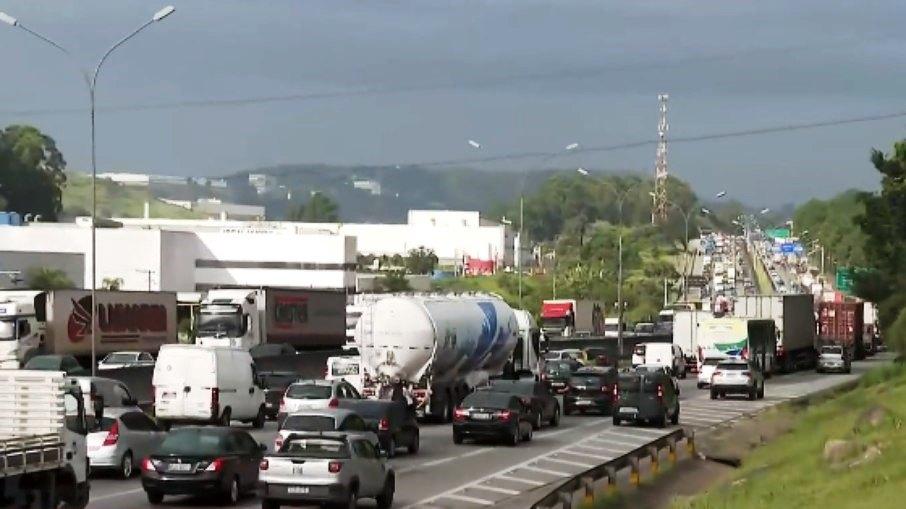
91	83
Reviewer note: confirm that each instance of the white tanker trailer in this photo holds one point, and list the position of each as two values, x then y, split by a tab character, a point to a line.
437	346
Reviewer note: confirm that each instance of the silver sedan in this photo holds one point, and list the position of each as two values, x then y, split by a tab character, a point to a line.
123	437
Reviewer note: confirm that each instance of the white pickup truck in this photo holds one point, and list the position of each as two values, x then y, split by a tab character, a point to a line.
43	457
325	467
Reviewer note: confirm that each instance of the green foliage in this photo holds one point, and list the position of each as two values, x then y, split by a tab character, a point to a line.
320	208
392	282
112	283
421	261
31	172
833	223
46	278
114	200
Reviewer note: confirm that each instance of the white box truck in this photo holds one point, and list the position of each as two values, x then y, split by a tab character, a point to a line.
43	455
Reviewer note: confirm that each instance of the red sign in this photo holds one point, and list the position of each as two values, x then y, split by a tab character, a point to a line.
115	319
476	267
556	309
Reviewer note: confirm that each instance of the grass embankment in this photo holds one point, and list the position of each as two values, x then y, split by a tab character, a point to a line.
848	451
765	286
115	200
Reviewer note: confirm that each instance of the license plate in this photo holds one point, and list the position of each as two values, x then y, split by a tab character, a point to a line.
557	384
629	410
180	467
297	490
583	402
481	417
581	387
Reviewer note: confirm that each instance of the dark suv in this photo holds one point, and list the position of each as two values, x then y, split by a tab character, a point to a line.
645	396
590	389
557	372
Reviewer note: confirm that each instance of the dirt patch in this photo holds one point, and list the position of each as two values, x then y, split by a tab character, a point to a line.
689	478
730	444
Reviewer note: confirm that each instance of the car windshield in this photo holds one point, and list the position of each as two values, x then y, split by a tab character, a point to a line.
121	358
318	448
7	330
557	367
309	423
711	362
44	363
192	442
487	399
513	387
589	379
551	356
832	350
308	391
225	320
733	366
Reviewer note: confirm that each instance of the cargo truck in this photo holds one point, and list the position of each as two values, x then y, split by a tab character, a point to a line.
437	348
244	318
141	321
750	339
43	455
794	318
841	323
20	334
565	318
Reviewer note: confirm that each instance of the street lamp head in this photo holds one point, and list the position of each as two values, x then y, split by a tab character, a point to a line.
764	211
651	194
163	13
720	194
9	20
582	171
572	146
706	211
474	144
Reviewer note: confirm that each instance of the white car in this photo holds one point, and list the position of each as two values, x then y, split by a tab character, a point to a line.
706	369
315	395
331	419
117	360
737	377
123	438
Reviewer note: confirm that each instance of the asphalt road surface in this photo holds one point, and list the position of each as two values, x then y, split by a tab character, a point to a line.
446	475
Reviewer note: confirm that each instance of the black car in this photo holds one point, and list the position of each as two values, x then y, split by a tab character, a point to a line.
645	396
556	374
544	405
392	421
492	415
218	462
590	389
275	384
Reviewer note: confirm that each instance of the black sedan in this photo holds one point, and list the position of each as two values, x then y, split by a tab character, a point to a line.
590	389
492	415
213	462
544	405
392	421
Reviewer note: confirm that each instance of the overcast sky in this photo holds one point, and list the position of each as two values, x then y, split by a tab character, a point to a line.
412	81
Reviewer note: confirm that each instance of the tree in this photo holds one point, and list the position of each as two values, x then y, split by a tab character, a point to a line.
112	283
46	278
421	261
320	208
31	172
394	281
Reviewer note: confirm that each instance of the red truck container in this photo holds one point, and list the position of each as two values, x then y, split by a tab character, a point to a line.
841	323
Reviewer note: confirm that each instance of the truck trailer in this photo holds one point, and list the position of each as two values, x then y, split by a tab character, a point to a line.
751	339
437	347
841	323
244	318
794	317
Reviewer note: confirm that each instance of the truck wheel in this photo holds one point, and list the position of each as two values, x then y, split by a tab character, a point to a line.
225	418
258	423
154	497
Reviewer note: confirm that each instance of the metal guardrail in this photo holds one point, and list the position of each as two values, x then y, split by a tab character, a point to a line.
588	484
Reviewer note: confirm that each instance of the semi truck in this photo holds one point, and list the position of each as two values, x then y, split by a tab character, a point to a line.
43	455
565	318
60	321
841	323
752	339
244	318
794	318
438	348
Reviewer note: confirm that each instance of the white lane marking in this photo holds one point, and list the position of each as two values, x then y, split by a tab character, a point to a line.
617	442
586	455
706	411
115	495
543	471
494	488
654	432
531	482
700	422
599	448
441	461
709	418
566	462
630	435
474	500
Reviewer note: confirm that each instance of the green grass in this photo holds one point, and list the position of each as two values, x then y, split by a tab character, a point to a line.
792	472
764	283
115	200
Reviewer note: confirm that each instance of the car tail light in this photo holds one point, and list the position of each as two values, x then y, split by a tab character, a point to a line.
278	442
334	467
215	466
113	435
616	392
504	415
283	405
383	425
660	392
605	389
215	402
333	403
459	414
544	376
716	373
264	465
148	465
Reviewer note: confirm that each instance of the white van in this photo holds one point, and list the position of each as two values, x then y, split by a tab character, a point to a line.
660	354
346	368
207	384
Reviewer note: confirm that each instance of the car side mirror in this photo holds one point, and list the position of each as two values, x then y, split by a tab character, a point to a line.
130	402
262	447
383	454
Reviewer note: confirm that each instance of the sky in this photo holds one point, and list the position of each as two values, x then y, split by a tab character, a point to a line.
226	85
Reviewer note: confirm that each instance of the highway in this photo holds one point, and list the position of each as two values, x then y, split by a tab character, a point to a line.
445	475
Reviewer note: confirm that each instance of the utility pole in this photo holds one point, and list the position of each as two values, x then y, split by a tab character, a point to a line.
659	207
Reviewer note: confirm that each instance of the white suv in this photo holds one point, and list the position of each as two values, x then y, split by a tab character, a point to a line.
737	377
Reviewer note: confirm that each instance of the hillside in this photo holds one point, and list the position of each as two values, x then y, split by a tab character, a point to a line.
114	200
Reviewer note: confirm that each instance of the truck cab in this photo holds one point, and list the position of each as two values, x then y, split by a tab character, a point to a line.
558	317
20	334
231	318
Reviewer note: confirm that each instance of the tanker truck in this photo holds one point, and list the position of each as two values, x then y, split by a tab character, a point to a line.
437	347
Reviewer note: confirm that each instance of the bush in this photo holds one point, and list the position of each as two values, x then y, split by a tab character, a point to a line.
895	335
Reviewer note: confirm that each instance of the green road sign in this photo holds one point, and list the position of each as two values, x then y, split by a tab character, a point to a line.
844	280
778	233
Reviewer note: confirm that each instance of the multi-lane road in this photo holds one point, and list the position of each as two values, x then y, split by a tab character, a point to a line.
469	476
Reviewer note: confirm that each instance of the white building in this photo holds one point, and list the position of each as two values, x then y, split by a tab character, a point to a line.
372	186
173	260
